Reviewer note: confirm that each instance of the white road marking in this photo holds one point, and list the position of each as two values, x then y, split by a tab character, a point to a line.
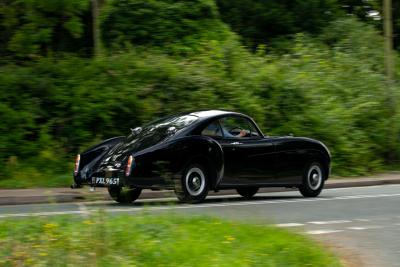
205	205
330	222
365	227
83	209
375	227
357	228
362	220
321	232
362	187
268	194
289	224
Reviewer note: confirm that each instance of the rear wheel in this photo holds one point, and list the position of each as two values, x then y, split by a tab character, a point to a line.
247	192
313	180
193	186
124	194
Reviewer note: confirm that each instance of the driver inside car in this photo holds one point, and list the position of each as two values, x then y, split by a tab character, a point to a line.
242	133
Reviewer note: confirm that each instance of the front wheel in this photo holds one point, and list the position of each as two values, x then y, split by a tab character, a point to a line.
247	192
193	186
313	180
124	195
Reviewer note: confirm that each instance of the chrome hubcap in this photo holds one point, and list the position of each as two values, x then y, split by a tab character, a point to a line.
195	181
314	177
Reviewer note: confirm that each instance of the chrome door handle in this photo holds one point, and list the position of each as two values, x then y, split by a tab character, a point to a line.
236	143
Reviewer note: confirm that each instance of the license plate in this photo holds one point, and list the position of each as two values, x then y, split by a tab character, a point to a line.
106	181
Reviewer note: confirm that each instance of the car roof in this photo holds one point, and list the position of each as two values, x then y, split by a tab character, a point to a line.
211	113
207	115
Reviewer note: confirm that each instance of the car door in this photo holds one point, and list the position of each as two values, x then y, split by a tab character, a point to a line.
291	158
249	156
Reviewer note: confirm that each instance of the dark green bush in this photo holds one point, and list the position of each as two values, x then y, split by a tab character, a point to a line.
330	87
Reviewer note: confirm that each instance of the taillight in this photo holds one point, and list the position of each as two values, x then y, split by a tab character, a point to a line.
77	161
129	166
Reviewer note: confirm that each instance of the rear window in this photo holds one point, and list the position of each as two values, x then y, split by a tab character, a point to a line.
159	130
178	122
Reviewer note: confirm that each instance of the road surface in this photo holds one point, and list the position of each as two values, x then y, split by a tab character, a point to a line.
360	223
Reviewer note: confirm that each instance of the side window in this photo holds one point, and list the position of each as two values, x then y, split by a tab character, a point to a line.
213	129
238	127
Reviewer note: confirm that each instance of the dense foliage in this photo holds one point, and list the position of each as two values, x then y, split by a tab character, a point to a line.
162	56
30	28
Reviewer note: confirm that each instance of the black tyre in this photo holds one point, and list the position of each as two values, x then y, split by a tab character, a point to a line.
313	180
193	186
247	192
124	195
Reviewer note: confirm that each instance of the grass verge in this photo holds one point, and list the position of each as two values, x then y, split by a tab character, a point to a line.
145	240
36	181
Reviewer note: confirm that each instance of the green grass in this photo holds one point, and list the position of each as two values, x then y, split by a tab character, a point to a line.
36	180
144	240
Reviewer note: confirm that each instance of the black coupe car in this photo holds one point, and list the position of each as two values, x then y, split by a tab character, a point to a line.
193	153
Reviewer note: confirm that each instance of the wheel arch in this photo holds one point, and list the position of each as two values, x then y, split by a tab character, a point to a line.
206	152
323	159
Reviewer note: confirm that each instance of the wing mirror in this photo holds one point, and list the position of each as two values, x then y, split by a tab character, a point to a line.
171	130
136	130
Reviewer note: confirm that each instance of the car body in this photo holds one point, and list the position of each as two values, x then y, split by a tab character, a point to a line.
203	150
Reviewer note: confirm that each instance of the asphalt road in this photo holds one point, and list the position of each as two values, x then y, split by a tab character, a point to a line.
360	223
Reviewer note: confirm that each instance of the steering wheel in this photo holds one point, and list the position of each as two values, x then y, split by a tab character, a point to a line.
240	133
232	130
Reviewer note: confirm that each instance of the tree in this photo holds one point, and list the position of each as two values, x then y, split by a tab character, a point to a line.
161	23
371	11
260	22
31	28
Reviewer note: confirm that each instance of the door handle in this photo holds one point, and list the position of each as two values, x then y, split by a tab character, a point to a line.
236	143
